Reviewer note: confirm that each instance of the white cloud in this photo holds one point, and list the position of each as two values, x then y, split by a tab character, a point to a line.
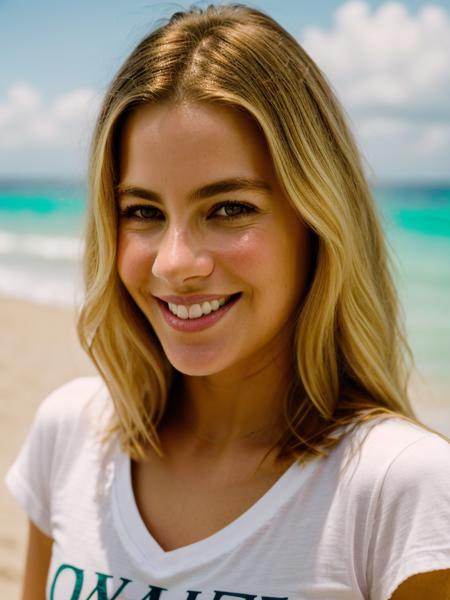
389	57
380	127
27	121
419	140
435	139
391	69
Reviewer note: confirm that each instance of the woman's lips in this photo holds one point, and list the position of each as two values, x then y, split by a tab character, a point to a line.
195	299
200	323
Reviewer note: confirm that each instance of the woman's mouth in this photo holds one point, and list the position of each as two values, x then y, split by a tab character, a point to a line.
198	315
195	311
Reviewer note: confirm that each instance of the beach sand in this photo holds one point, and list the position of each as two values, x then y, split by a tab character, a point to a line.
38	352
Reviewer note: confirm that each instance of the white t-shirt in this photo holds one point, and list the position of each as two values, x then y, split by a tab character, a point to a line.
339	528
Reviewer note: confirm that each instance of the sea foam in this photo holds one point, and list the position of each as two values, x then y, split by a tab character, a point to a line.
43	246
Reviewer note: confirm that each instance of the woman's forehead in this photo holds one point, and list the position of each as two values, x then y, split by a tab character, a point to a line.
189	140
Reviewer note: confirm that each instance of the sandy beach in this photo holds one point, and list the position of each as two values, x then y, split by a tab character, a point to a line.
38	352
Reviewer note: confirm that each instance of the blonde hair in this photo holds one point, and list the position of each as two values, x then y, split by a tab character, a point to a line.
351	360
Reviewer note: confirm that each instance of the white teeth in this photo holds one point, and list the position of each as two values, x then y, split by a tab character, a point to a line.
182	312
206	308
195	311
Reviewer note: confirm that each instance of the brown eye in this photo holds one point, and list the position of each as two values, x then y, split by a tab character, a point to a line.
142	212
233	210
148	212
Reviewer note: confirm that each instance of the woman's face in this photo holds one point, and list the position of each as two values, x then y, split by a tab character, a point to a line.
208	247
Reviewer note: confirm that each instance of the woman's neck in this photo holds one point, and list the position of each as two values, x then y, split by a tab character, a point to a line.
225	409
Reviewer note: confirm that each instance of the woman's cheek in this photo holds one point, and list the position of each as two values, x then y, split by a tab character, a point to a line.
134	259
246	250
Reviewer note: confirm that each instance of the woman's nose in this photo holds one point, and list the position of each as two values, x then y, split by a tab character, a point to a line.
179	257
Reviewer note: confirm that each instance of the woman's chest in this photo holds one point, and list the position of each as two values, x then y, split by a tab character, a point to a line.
250	546
180	509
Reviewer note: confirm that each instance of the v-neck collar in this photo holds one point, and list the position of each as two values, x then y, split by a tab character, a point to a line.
148	554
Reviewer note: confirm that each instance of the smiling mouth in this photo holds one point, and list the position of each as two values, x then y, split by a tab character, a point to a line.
198	310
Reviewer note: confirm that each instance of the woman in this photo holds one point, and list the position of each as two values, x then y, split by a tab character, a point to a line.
240	310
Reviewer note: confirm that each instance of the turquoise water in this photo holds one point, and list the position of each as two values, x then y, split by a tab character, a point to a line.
41	225
417	223
46	207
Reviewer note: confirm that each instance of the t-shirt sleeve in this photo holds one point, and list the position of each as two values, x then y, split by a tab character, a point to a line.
411	528
30	478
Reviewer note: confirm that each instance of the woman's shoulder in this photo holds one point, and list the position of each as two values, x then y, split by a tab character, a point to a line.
391	436
418	453
81	399
395	450
65	431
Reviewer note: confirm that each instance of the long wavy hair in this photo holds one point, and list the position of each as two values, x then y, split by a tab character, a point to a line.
350	358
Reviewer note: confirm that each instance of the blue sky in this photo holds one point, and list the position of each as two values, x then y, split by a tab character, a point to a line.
388	61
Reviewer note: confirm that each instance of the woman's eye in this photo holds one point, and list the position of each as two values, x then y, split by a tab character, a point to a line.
233	210
142	213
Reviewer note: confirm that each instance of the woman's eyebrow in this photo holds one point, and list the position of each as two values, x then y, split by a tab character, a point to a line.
212	189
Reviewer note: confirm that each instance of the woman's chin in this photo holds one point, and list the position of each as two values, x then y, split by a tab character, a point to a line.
196	369
197	363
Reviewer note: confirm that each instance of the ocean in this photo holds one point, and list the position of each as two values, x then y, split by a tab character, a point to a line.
41	226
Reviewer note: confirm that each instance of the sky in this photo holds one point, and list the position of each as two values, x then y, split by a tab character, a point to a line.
388	62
